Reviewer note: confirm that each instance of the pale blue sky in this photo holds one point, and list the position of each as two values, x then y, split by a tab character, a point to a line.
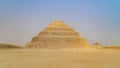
96	20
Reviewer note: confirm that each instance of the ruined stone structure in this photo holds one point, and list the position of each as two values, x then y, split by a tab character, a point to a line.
57	35
97	45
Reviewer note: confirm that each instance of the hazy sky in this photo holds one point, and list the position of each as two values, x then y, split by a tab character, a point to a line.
96	20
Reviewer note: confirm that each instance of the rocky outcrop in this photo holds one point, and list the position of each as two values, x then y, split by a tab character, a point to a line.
57	35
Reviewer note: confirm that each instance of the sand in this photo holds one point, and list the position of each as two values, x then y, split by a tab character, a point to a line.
59	58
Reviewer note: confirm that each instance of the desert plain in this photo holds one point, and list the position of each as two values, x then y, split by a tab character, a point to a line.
60	58
59	46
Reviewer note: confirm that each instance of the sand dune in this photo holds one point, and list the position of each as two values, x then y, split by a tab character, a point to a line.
60	58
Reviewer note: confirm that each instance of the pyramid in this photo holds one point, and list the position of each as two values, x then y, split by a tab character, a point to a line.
97	45
57	35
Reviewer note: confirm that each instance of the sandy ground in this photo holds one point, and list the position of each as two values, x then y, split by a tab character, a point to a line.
59	58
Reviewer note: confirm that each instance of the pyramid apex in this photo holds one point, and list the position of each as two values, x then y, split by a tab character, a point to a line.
58	21
97	43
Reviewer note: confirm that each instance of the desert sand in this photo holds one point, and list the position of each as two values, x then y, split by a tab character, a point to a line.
60	58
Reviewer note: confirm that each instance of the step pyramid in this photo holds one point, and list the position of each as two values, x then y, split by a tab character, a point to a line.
57	35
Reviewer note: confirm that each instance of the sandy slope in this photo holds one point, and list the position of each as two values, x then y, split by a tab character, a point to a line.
59	58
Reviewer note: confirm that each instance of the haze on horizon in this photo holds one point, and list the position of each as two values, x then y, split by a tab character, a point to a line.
96	20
